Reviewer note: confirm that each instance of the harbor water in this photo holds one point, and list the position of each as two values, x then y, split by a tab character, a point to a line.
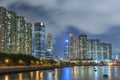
68	73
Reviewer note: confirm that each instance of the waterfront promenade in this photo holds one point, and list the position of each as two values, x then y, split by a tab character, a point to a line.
16	69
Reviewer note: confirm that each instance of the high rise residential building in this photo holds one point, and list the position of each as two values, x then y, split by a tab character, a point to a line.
2	28
10	26
20	35
39	40
71	47
81	48
106	51
93	49
28	38
109	51
15	36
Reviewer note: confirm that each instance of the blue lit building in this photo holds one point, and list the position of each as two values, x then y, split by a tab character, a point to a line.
66	55
39	40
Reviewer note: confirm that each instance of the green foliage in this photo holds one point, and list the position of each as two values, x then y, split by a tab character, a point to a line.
14	59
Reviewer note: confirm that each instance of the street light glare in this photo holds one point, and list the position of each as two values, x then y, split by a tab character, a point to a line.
66	40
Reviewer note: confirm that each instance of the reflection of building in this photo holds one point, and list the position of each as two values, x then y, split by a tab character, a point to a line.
49	53
39	42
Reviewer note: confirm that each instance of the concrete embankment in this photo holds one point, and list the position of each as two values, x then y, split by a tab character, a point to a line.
16	69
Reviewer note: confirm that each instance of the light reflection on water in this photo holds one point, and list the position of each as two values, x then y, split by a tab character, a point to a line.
68	73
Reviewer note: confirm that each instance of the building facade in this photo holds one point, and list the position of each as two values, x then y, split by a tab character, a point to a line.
93	51
49	52
14	34
39	40
81	48
2	28
66	48
28	39
71	47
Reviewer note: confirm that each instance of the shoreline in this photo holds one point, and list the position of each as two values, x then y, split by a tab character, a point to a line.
17	69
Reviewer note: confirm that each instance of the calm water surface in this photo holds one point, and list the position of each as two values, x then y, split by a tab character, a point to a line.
68	73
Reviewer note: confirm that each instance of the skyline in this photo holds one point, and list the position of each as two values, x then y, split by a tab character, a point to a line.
97	19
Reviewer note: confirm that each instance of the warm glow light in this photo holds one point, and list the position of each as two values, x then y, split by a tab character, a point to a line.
41	75
56	74
71	35
37	75
21	62
31	75
6	77
109	64
20	75
7	61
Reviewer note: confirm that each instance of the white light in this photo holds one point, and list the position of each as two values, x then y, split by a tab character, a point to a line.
66	40
41	24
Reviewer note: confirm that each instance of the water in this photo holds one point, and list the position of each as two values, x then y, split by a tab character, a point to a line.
68	73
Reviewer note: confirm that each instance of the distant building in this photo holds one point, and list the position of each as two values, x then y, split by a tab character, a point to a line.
93	49
106	51
71	47
49	53
39	40
66	48
81	48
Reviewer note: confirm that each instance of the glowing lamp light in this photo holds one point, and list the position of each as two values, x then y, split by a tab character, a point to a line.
66	40
41	24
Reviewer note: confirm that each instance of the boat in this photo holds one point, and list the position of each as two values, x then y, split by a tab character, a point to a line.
105	75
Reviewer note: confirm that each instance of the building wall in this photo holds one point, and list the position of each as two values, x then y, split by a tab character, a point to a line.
49	53
66	48
13	33
71	47
10	32
39	42
20	35
93	49
28	39
82	46
2	28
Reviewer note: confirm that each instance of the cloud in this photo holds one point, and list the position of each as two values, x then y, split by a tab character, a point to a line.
91	16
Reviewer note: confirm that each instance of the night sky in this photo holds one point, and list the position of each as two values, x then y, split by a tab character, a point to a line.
98	19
